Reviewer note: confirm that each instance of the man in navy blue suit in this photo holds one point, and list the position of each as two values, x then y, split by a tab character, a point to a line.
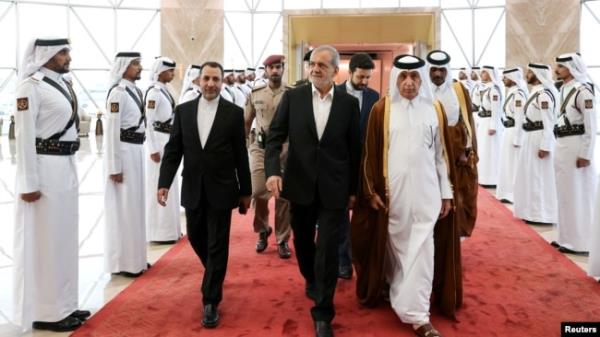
361	69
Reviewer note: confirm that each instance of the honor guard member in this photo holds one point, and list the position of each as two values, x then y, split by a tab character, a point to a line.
512	116
240	83
490	128
230	91
535	182
261	78
574	161
475	90
261	108
162	223
190	89
124	197
250	78
46	242
462	159
464	77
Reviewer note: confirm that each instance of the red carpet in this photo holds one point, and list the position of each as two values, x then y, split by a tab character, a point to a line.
515	285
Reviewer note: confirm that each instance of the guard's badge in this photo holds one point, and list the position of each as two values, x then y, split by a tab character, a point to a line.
495	98
151	104
22	104
589	104
114	107
544	105
518	103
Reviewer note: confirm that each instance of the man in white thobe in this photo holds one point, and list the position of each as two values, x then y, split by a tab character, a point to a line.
574	161
230	91
414	137
594	261
46	249
124	199
511	117
535	183
190	89
162	223
489	128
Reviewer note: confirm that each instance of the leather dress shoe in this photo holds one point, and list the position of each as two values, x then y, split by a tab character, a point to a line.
311	291
566	250
263	241
284	250
323	329
555	244
211	316
167	242
81	315
67	324
345	272
128	274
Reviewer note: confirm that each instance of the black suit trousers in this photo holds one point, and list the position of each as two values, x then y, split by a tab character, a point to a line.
208	232
318	256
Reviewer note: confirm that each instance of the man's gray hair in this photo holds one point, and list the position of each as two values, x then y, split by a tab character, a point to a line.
335	55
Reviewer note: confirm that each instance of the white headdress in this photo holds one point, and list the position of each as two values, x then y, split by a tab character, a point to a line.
161	64
440	59
38	53
191	73
543	72
122	61
516	75
405	63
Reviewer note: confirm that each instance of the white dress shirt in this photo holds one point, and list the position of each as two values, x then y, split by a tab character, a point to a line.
321	108
356	93
206	116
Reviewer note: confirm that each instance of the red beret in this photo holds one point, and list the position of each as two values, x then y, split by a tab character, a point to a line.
273	59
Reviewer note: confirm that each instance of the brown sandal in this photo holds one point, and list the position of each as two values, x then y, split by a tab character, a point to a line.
427	330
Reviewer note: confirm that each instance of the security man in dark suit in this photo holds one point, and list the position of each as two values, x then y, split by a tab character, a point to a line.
361	68
320	180
209	133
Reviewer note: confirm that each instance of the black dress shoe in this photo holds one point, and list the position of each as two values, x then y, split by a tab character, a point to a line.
263	241
81	315
311	291
537	223
211	316
487	186
345	272
505	201
168	242
571	251
66	324
323	329
284	250
555	244
128	274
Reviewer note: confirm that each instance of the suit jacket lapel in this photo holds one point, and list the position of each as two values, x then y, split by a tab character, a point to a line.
194	123
311	112
216	122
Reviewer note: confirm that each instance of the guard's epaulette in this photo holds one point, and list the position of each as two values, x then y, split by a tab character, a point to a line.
259	88
38	76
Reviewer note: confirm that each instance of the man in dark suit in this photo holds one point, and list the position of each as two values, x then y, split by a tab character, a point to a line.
209	133
361	68
320	180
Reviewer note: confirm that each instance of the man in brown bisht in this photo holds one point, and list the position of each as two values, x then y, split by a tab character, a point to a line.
404	188
455	99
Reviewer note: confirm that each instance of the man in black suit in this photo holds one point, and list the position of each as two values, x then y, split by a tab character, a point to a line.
209	132
361	68
320	180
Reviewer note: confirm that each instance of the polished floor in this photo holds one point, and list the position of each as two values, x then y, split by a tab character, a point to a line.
95	286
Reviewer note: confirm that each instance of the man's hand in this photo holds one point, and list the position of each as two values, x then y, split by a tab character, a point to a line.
116	178
543	154
274	184
351	201
376	203
446	207
244	203
31	197
491	132
581	163
162	195
155	157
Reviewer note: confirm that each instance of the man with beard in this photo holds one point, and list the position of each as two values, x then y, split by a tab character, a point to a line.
124	168
46	219
512	115
535	182
162	223
574	160
461	132
261	108
322	125
361	68
208	134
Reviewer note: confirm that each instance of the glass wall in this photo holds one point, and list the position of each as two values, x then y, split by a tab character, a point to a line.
97	29
472	31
